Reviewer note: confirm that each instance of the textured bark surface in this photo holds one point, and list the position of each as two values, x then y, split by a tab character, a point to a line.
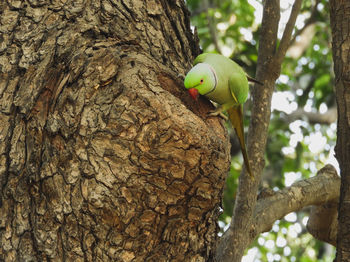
103	157
340	23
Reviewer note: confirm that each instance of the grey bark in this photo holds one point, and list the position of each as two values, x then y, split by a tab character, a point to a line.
103	156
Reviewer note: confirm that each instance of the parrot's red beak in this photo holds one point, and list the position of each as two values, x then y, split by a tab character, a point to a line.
193	93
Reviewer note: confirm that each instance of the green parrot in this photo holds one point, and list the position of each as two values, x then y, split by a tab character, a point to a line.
224	82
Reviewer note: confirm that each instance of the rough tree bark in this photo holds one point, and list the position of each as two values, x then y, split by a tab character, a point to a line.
340	23
103	156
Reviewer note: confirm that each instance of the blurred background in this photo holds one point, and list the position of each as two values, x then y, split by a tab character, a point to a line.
302	131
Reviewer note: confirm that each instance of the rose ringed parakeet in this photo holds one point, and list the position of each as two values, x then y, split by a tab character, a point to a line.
223	81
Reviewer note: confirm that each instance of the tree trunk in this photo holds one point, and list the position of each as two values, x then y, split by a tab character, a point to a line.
340	23
103	155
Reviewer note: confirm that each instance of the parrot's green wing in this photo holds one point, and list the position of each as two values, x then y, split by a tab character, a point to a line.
235	114
238	84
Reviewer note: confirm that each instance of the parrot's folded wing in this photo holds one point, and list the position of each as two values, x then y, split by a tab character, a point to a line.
235	114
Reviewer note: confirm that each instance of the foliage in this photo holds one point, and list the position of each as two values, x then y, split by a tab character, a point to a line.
296	149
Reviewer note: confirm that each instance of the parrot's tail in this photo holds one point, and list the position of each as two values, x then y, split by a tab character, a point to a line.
235	114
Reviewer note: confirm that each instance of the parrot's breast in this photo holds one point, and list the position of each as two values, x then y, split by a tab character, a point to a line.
221	94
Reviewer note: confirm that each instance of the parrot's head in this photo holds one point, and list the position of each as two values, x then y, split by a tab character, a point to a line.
201	79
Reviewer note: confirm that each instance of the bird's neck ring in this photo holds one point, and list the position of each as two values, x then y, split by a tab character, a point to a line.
215	78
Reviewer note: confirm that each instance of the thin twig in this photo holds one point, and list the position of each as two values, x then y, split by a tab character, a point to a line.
211	25
287	33
312	19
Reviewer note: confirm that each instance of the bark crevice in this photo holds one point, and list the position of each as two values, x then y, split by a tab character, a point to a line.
107	157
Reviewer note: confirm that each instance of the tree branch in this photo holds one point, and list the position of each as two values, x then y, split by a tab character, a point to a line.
211	25
297	48
314	118
242	227
312	19
287	34
318	190
235	240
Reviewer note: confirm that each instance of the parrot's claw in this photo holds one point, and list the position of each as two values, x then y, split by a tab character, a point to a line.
218	113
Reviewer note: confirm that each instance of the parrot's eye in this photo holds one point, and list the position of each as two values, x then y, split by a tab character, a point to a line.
202	81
